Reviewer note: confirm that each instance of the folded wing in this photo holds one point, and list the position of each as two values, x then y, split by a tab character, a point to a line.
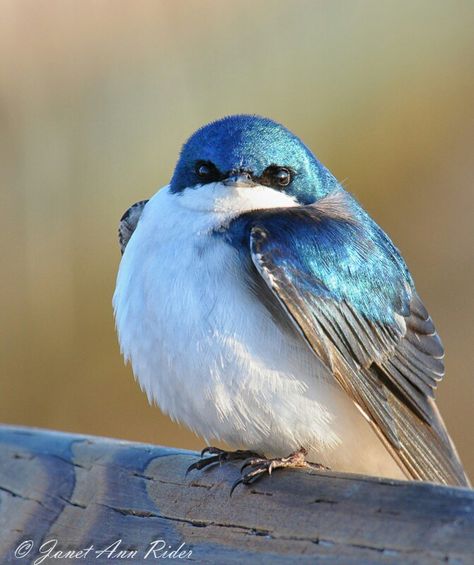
344	285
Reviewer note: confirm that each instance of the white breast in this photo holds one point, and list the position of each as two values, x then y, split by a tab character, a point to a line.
208	353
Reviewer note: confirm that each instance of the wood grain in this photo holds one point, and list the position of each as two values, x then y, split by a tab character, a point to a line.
87	491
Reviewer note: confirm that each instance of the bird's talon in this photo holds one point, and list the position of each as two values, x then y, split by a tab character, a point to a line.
260	466
219	456
209	450
235	485
252	462
202	463
189	469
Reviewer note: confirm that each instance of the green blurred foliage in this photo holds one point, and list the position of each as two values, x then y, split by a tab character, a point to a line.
96	98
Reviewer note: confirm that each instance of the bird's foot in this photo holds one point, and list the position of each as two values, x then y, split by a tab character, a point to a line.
219	456
260	466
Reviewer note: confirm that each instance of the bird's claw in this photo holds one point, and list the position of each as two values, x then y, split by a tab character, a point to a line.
253	462
261	466
202	463
219	456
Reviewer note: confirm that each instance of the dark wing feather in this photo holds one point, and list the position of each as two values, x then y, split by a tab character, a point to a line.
388	362
128	223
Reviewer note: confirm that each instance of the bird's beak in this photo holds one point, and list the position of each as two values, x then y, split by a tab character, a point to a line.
240	180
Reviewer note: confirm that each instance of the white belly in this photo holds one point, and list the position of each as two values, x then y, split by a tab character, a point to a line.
210	355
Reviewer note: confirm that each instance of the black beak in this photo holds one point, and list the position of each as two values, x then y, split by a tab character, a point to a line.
239	180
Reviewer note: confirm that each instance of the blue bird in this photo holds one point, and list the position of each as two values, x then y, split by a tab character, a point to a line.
260	305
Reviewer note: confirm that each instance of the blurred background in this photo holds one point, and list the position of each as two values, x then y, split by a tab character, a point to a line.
96	98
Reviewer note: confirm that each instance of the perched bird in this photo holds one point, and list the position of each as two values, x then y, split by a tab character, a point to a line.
260	305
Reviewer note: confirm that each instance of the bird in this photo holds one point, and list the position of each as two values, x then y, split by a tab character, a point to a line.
261	306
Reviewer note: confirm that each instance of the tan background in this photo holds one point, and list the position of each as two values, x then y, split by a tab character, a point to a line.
96	98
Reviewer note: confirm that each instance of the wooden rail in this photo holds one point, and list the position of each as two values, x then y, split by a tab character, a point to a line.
117	501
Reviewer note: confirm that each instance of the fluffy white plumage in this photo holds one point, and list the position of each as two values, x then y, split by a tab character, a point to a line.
209	354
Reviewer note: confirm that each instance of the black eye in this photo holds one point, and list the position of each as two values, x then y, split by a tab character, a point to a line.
282	177
276	176
207	171
203	170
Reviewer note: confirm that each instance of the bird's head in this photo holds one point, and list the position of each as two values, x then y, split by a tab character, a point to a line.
251	153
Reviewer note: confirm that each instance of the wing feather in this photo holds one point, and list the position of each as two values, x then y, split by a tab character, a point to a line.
129	222
390	364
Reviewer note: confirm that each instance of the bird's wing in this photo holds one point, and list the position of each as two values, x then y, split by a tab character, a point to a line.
345	287
128	223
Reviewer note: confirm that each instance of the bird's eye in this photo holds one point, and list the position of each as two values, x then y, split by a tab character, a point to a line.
282	177
203	170
277	176
207	171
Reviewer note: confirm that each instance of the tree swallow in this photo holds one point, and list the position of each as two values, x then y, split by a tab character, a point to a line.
260	305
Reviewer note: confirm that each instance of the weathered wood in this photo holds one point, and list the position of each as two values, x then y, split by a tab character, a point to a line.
87	491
